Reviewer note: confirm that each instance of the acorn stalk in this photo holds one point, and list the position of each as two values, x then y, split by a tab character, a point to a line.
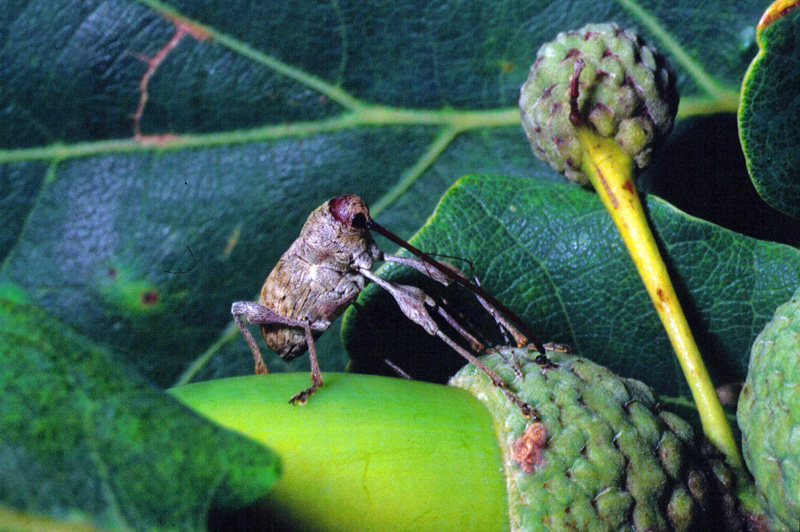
597	103
611	173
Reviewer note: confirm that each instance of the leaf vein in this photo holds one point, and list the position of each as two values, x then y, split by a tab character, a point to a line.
48	177
316	83
671	45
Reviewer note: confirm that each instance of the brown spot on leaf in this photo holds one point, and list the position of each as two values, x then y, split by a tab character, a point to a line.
149	298
197	31
527	449
183	27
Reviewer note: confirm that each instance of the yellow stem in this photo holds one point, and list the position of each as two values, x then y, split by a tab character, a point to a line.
610	171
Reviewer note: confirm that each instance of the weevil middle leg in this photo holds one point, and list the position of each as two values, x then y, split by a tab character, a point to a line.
413	302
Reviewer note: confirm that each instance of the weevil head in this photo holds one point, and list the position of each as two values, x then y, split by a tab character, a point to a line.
343	232
350	211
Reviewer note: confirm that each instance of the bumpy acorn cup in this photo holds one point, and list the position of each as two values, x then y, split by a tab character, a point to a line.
626	91
769	416
596	104
601	455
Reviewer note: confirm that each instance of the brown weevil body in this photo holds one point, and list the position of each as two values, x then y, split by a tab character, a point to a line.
325	269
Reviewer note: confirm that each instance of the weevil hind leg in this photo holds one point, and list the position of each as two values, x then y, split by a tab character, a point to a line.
258	314
300	398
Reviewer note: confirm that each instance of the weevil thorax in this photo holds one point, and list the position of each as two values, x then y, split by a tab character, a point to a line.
336	234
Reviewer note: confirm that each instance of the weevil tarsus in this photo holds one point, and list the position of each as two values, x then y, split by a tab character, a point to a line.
316	375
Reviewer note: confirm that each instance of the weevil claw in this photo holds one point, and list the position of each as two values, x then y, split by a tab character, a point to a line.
300	398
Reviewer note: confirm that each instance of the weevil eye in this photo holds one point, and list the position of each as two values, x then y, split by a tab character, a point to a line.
359	221
350	211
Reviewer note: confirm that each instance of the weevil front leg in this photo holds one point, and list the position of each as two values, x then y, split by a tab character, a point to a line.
412	302
258	314
426	269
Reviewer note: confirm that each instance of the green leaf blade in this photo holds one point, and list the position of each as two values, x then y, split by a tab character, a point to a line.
255	114
768	117
83	439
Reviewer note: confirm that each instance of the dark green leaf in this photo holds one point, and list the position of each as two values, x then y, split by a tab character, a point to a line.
769	117
84	440
256	112
551	253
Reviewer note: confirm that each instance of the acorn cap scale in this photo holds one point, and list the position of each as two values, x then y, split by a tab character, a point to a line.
600	456
626	90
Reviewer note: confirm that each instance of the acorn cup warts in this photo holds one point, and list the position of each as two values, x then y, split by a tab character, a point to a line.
769	416
596	104
601	455
626	91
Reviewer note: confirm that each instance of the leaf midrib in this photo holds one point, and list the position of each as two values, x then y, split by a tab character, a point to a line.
358	113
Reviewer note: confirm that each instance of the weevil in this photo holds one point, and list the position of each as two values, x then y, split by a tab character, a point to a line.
325	269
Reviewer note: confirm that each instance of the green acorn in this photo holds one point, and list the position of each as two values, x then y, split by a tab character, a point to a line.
769	416
601	456
626	90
